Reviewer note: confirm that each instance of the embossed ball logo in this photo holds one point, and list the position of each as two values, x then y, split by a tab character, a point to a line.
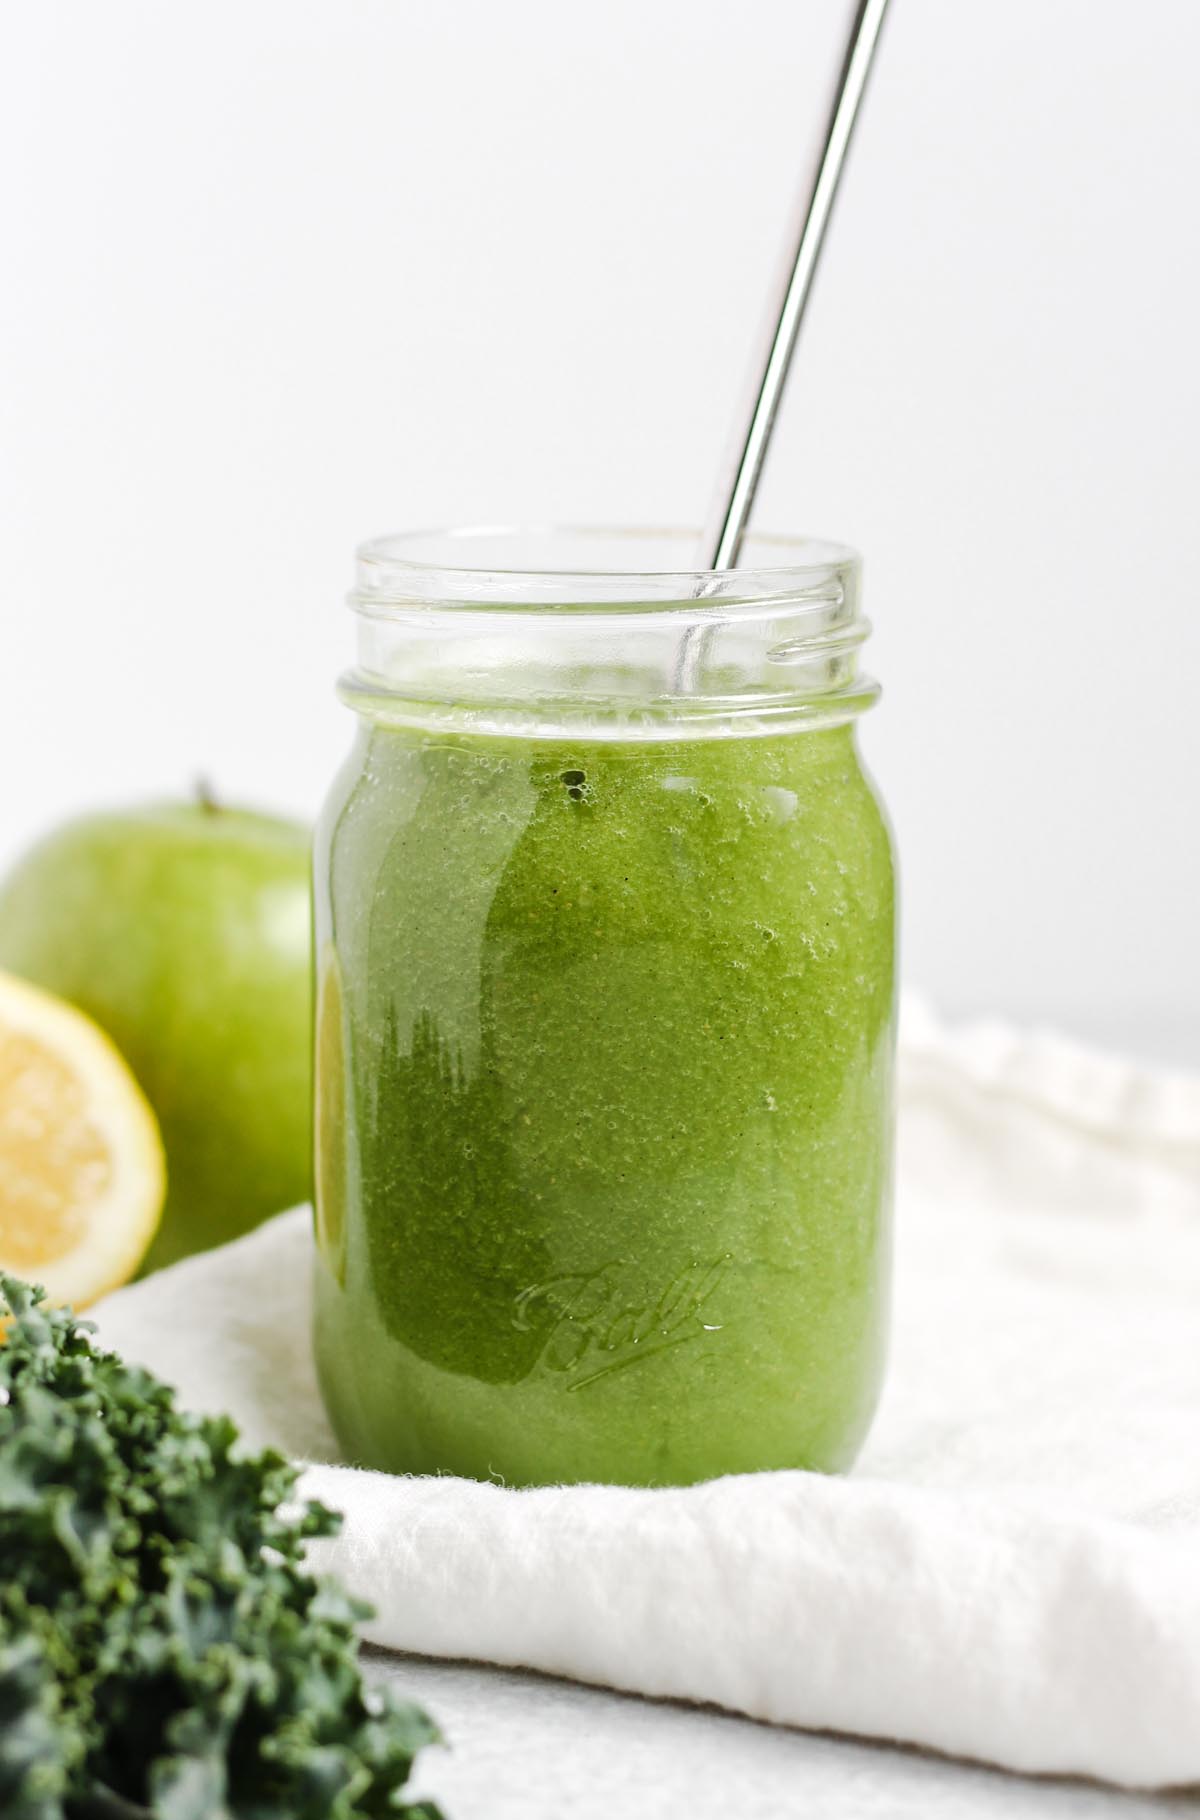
591	1328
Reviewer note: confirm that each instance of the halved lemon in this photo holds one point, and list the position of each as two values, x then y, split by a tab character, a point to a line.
82	1178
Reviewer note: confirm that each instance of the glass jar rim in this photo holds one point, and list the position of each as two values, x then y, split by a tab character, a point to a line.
415	569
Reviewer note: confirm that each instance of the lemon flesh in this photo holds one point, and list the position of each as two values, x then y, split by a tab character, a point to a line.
82	1179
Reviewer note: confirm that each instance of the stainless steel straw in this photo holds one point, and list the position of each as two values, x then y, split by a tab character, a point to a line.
731	511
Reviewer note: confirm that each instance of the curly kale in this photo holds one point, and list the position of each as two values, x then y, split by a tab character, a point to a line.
163	1653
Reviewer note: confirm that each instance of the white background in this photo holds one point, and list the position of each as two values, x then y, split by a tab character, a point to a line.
284	273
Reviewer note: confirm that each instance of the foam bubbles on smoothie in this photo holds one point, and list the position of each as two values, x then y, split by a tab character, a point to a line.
578	788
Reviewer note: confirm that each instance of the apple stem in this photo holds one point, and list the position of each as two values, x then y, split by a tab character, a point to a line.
206	796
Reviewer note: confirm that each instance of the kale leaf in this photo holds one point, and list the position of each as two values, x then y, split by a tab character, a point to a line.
163	1653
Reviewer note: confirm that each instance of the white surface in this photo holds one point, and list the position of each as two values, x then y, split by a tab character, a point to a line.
287	274
523	1748
1013	1573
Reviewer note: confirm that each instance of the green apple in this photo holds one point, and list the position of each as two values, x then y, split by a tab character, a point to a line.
185	931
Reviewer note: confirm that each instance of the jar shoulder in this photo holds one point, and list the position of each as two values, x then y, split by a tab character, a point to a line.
402	803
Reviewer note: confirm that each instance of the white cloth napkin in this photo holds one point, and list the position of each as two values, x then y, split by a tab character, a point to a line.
1013	1571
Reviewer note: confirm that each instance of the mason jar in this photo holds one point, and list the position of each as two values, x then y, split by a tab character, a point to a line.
605	947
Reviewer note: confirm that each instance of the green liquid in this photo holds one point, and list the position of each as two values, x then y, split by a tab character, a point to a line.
604	1061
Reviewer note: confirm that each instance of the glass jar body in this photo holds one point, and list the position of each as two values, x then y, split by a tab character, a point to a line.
604	1051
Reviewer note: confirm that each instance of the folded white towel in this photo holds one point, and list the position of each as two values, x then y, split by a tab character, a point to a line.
1013	1571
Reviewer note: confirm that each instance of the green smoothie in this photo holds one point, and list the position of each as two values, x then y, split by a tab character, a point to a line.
604	1078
